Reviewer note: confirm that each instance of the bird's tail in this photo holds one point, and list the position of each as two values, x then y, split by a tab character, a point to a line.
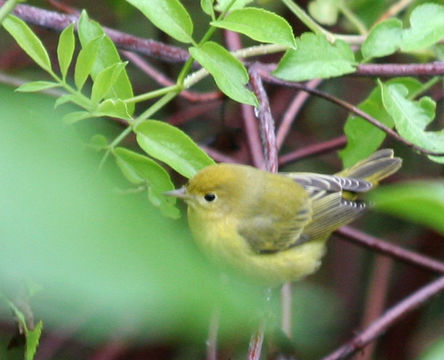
375	168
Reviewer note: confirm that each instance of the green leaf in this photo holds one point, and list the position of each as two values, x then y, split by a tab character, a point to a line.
172	146
32	337
32	340
170	16
28	41
76	116
260	25
363	138
324	12
222	5
65	49
412	117
404	200
85	61
207	7
140	169
426	27
114	108
37	86
228	72
107	55
105	80
383	39
315	57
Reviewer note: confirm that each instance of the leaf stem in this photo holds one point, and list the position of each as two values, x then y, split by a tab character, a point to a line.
426	86
155	107
152	94
307	20
113	144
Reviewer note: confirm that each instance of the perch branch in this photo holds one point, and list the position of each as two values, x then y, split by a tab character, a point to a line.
392	315
389	249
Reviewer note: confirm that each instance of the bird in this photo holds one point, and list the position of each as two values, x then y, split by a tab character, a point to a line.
273	227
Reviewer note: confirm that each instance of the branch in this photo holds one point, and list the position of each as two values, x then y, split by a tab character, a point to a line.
264	71
392	315
395	9
391	70
316	149
255	347
218	156
392	250
291	112
376	295
266	122
57	21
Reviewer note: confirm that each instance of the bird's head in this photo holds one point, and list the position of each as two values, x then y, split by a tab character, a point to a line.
217	189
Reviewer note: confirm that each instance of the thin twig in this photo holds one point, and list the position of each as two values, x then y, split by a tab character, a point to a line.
292	111
270	78
266	121
255	347
218	156
251	129
395	9
286	296
375	299
392	70
391	250
162	79
191	112
316	149
379	326
212	335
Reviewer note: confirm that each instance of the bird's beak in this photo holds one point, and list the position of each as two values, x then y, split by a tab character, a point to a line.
178	193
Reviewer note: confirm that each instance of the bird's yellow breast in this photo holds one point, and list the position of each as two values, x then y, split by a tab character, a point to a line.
220	240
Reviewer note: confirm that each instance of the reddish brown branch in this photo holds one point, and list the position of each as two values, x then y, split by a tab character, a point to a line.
255	348
391	250
265	74
392	315
375	298
218	156
266	122
252	131
57	21
391	70
291	112
316	149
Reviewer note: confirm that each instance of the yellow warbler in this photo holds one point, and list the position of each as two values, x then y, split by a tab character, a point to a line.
274	226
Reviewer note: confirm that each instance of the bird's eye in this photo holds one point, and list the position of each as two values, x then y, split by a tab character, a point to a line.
209	197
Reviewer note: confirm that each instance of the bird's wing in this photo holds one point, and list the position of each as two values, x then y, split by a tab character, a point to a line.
331	207
324	211
268	233
330	183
